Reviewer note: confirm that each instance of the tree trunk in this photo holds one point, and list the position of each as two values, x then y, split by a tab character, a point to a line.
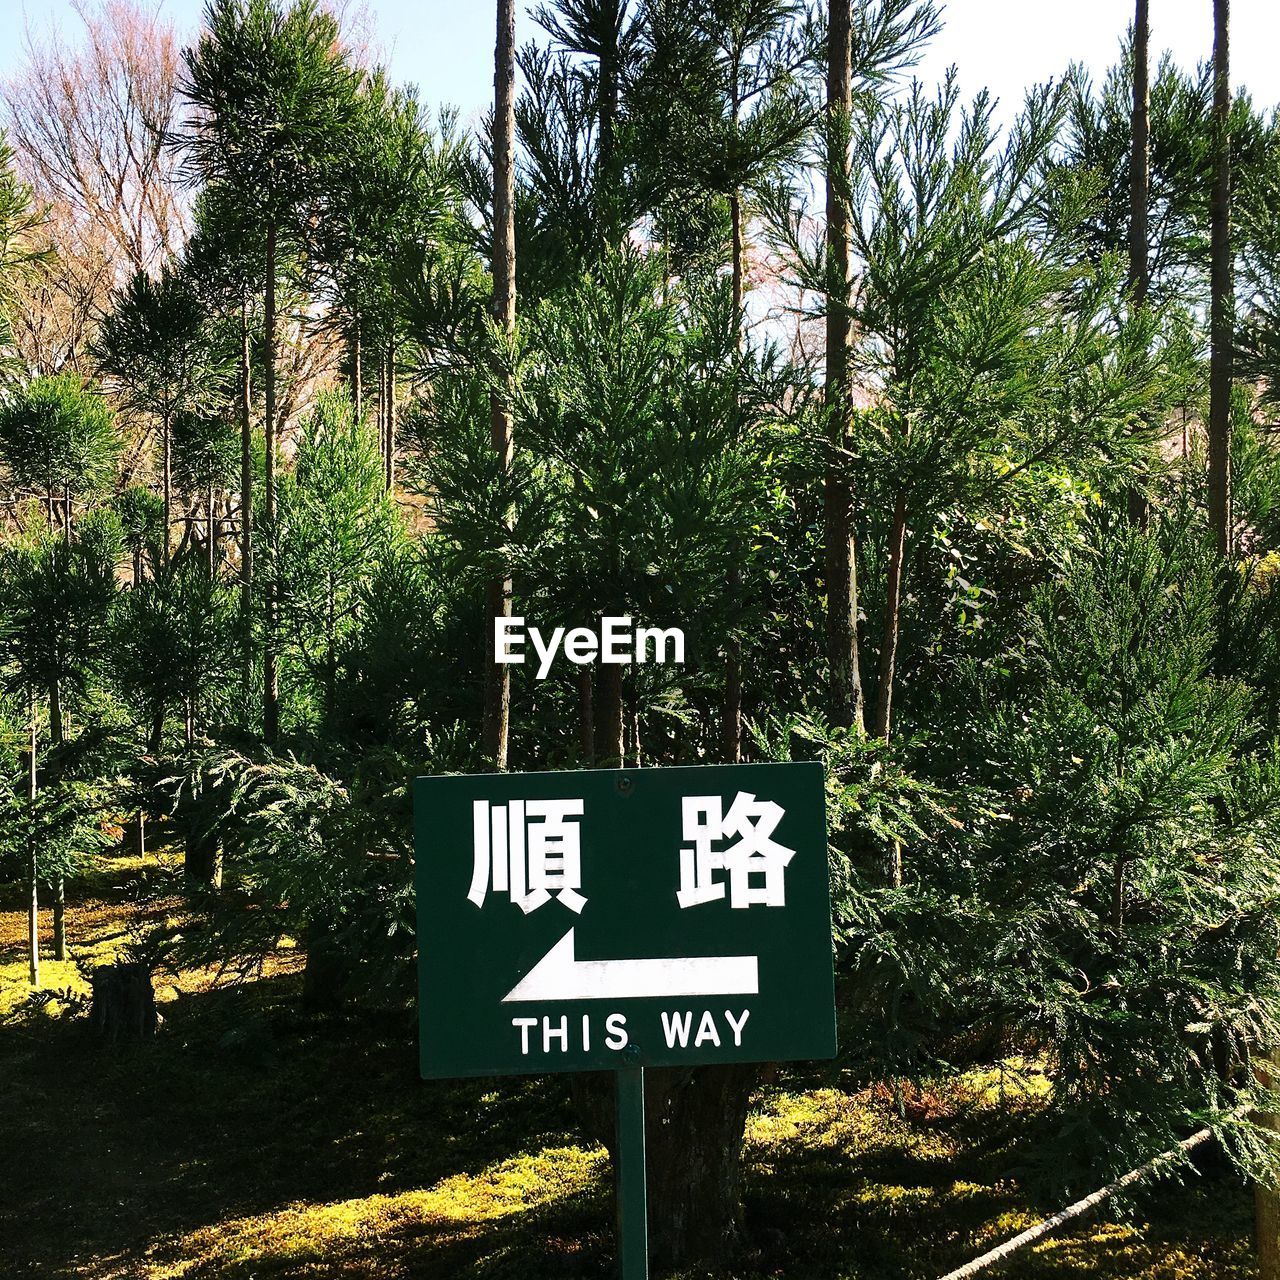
1222	287
1140	157
213	537
1139	194
382	410
694	1126
134	842
167	481
840	553
608	195
892	620
246	492
731	719
202	857
59	917
56	736
270	674
357	369
390	466
497	708
694	1122
55	714
611	745
1266	1198
325	974
33	906
586	719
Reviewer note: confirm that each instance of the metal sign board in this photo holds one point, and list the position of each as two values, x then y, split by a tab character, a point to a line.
612	919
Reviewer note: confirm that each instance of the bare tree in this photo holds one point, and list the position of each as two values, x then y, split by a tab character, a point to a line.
89	121
56	307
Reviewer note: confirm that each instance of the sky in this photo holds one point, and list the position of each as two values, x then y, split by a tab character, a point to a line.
446	46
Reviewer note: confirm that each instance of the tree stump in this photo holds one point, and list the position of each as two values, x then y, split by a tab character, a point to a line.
134	840
124	1003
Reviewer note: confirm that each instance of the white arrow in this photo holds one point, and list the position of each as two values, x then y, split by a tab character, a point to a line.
559	976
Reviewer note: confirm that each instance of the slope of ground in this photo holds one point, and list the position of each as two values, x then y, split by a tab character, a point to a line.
254	1143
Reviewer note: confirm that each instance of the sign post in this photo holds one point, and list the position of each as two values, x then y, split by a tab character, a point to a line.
633	1192
615	920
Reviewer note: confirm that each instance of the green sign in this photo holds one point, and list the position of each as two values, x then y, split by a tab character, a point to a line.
614	919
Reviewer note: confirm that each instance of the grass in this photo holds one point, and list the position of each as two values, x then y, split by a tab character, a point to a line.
253	1143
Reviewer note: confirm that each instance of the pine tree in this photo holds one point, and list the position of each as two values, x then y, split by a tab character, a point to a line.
158	350
273	98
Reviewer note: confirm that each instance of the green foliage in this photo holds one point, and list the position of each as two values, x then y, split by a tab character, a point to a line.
309	852
57	437
1104	889
58	595
206	452
1062	844
391	686
174	647
272	98
141	516
158	347
22	253
334	523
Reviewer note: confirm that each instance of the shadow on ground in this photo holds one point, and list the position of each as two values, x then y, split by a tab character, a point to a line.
252	1142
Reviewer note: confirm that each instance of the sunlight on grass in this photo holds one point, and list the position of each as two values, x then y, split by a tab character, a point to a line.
56	976
454	1208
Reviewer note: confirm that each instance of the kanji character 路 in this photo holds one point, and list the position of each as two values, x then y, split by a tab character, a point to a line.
755	862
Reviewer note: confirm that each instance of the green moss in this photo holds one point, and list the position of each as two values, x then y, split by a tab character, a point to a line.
248	1141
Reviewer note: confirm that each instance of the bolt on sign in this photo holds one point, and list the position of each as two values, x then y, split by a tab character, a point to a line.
614	919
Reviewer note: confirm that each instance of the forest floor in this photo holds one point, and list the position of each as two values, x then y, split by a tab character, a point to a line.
253	1142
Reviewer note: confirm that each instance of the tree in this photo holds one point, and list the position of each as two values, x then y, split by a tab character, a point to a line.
159	350
173	646
88	123
1222	290
89	126
889	35
22	252
497	676
1140	156
1112	782
1140	186
603	32
725	102
58	595
272	96
141	515
647	454
394	195
58	439
840	549
206	457
336	523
